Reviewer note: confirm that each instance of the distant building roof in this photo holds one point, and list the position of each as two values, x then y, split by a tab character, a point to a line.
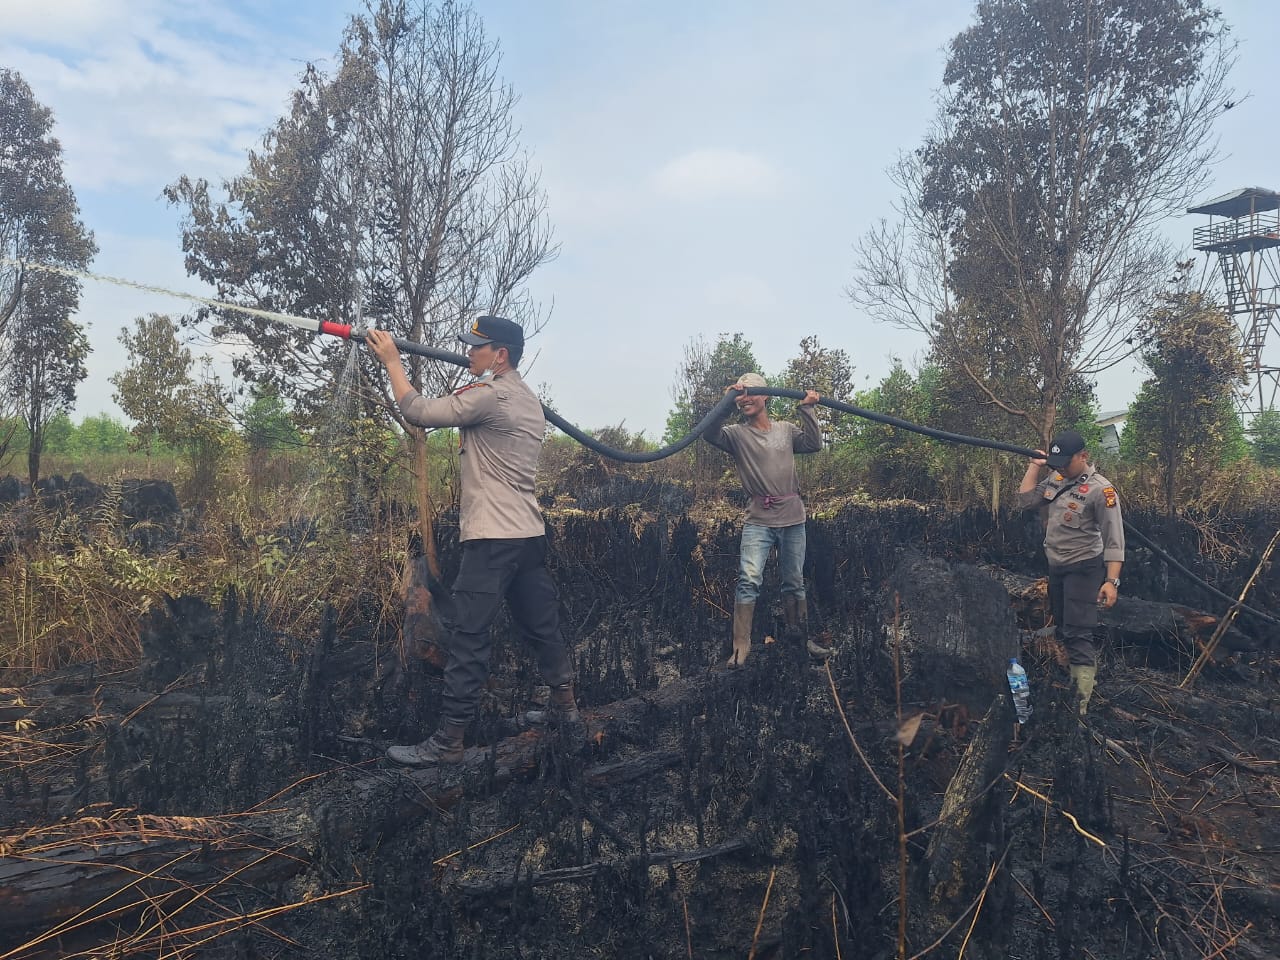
1240	202
1111	416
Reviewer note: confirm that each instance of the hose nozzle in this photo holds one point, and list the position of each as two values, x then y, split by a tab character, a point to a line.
343	330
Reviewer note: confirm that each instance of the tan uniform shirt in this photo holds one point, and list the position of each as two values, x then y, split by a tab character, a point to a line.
767	464
501	430
1082	519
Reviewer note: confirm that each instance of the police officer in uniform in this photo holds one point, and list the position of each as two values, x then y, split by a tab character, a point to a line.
1084	543
503	534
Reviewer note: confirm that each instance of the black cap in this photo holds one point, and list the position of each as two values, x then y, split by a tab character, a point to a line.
493	329
1063	447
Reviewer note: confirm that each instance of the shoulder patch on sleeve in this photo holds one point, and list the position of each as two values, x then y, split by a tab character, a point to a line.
1110	494
471	386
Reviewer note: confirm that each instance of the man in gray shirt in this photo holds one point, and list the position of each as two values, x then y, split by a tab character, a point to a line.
764	451
503	534
1084	543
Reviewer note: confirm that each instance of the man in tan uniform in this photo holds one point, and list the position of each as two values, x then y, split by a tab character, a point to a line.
503	534
1084	543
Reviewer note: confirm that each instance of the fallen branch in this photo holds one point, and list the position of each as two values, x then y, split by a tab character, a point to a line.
755	939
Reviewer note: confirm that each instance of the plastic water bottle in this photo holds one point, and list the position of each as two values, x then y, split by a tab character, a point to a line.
1020	689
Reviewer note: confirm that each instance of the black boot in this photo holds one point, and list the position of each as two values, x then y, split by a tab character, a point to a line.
443	746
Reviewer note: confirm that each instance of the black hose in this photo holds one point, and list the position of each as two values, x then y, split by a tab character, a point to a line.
647	456
727	401
1234	601
898	422
420	349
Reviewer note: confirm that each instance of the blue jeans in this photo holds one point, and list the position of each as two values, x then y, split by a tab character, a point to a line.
756	544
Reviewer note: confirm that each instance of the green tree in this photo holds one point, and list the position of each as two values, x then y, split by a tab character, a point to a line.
102	433
39	223
48	360
1264	437
1183	423
266	422
59	435
155	386
1068	131
699	385
829	371
161	392
900	463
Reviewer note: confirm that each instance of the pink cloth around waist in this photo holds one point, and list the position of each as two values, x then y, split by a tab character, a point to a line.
769	500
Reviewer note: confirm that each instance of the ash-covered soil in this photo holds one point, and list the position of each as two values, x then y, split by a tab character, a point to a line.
228	798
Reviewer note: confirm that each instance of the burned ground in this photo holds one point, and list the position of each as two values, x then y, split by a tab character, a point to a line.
206	803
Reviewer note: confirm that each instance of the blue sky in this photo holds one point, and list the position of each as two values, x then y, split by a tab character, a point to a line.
708	166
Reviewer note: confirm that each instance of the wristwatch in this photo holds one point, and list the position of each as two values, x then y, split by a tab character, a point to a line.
1114	581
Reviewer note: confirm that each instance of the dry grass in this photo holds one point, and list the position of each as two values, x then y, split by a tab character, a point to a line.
106	467
74	588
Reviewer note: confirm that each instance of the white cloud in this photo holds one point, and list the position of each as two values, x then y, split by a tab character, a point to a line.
60	20
713	174
141	92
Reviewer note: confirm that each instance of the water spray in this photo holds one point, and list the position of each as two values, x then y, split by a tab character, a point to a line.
343	331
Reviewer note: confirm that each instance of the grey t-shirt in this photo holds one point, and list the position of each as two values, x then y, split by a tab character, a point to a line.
767	464
501	433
